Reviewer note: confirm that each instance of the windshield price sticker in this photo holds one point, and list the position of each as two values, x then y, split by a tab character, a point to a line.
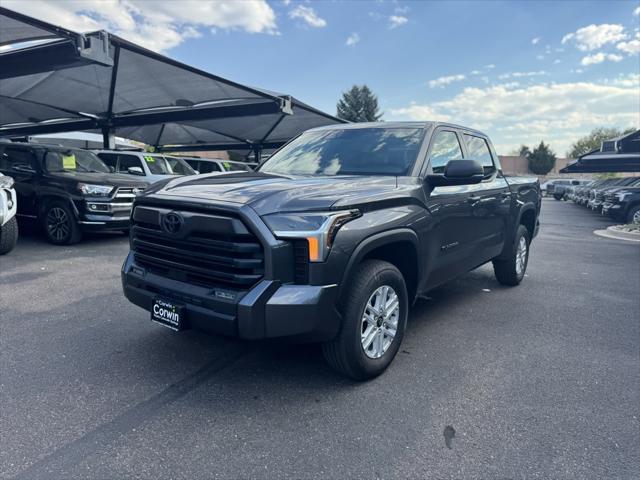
69	162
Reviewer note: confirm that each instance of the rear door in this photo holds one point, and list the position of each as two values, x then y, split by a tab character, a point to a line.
490	201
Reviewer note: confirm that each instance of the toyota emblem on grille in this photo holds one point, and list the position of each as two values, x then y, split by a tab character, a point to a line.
172	222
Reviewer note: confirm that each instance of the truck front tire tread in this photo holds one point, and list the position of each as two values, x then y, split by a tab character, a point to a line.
345	354
8	236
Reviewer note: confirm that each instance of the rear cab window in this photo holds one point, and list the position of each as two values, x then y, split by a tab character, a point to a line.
478	149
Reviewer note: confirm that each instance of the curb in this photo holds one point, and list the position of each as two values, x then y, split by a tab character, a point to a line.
615	233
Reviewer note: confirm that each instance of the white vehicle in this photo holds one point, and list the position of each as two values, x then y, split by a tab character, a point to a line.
211	165
152	166
8	222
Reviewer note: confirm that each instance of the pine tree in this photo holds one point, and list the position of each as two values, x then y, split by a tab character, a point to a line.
359	104
541	159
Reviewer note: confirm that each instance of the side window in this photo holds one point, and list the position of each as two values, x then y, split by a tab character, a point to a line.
444	147
17	159
110	159
477	149
208	167
128	161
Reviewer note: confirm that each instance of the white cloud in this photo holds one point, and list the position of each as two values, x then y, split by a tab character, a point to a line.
557	113
636	12
307	15
155	24
491	66
632	47
535	41
352	39
522	74
397	21
599	58
557	61
475	72
593	37
443	81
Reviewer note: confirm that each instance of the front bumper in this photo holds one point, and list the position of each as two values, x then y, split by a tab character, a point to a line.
8	205
614	210
96	215
268	310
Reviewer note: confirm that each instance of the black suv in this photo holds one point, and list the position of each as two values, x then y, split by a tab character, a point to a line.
332	239
68	190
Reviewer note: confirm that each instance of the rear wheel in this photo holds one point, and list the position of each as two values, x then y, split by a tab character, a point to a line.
8	236
510	271
374	321
60	225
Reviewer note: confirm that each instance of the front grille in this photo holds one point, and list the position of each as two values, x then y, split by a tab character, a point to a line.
599	196
126	194
216	250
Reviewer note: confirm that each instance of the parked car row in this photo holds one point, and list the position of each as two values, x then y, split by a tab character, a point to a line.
69	191
556	188
617	197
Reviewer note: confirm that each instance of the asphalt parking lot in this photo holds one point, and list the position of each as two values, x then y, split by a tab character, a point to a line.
538	381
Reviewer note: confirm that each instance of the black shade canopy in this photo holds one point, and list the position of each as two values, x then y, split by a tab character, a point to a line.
620	154
100	82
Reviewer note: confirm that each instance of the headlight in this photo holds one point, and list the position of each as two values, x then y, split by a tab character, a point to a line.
621	195
6	182
318	228
95	190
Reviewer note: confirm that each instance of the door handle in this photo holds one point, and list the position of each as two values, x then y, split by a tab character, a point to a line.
474	199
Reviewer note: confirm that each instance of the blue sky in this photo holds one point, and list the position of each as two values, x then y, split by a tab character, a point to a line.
521	71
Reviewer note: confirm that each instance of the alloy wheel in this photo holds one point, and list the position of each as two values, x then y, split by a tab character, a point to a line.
380	321
58	226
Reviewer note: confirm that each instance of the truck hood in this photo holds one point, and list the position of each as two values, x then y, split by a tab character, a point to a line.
267	193
115	179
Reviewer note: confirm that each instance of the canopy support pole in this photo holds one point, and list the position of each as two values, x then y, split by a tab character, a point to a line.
257	152
108	139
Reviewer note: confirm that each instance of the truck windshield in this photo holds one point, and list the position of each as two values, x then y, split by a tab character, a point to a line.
74	161
161	165
357	151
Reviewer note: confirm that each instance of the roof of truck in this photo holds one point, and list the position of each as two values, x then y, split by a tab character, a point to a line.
403	124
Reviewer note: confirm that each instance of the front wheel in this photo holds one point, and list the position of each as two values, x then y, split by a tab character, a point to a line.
375	317
510	271
634	215
60	225
8	236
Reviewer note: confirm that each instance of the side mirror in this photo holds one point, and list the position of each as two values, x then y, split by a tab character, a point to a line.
458	172
135	171
197	172
111	169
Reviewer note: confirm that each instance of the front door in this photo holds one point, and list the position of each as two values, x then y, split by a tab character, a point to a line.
450	240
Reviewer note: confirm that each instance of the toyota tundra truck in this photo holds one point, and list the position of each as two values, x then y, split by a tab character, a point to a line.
332	239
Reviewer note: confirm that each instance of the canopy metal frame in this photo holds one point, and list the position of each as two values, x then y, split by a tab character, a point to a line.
68	50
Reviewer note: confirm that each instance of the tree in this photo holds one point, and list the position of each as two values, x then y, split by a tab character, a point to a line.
524	151
359	104
593	141
541	159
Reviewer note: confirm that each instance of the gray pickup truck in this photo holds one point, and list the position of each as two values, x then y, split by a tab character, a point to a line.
332	239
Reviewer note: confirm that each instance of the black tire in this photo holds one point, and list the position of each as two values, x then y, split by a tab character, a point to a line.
59	224
346	354
8	236
634	214
557	196
506	270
